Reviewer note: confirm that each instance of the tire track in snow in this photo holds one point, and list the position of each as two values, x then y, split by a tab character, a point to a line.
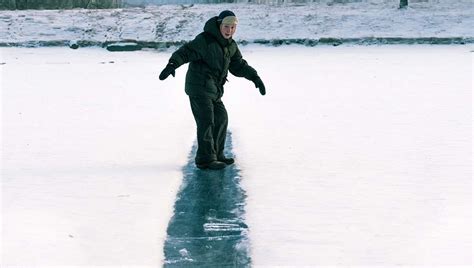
208	228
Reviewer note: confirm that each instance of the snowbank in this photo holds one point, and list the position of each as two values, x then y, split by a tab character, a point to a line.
158	26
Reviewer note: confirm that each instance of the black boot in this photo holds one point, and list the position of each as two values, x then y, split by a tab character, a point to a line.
215	165
227	161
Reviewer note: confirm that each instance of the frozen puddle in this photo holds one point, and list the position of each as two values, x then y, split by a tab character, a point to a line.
207	228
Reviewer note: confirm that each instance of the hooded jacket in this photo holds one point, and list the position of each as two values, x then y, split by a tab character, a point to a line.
210	58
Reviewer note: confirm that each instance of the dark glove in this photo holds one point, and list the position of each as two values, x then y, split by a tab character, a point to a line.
169	69
259	84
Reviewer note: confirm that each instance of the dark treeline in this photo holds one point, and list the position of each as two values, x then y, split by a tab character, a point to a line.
101	4
58	4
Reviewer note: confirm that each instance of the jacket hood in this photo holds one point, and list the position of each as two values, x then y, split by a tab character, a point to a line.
212	27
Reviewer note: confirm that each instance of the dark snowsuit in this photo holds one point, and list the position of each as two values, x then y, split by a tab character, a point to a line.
210	58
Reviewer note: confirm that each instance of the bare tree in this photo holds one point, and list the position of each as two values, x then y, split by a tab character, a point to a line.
21	4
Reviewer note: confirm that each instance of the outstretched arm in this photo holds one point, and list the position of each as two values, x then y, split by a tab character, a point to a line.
190	51
240	68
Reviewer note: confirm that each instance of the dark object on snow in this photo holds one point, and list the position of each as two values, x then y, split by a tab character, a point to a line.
227	161
403	3
169	69
225	13
214	165
211	120
211	56
130	46
259	84
73	45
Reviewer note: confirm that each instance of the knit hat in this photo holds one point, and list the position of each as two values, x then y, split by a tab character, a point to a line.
227	17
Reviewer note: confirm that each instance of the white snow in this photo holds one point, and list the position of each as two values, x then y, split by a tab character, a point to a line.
92	154
172	23
356	156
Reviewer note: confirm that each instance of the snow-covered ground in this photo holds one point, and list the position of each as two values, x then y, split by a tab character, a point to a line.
92	152
356	156
361	157
175	23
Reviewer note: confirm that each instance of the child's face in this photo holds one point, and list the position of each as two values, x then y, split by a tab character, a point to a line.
228	30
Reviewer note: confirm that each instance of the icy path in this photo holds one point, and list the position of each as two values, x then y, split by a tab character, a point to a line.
208	228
